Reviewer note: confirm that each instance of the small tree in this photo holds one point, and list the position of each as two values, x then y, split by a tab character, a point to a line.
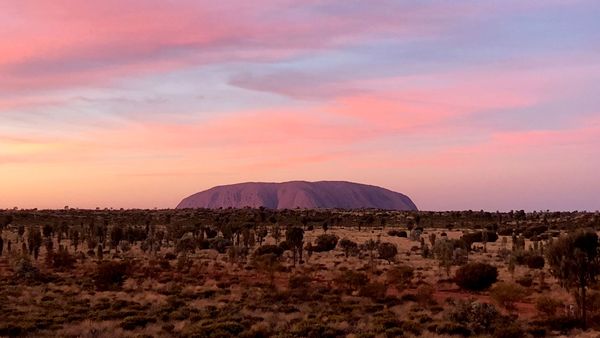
444	253
261	233
34	241
574	261
348	246
295	238
268	263
387	251
276	233
371	246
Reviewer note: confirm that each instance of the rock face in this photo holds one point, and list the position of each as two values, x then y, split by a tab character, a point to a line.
299	194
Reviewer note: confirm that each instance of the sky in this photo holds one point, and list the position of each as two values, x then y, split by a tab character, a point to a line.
460	105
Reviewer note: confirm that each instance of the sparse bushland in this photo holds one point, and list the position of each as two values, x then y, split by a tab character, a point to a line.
187	273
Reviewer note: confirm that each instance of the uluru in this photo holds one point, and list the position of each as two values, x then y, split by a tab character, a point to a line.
299	194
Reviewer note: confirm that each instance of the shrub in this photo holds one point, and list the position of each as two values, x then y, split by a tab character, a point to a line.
351	280
373	290
535	261
187	243
398	233
547	305
400	275
534	231
325	242
511	330
269	249
476	276
478	237
525	281
284	246
348	246
450	328
26	271
425	294
220	244
480	317
62	259
532	260
110	275
412	327
387	251
218	329
506	294
132	323
313	328
299	282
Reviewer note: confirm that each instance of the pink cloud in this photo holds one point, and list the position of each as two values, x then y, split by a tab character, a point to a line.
66	42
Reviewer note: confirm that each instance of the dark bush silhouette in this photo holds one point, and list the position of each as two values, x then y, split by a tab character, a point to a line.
476	276
478	237
325	243
220	244
268	249
294	237
387	251
62	259
284	245
532	231
110	275
398	233
535	261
